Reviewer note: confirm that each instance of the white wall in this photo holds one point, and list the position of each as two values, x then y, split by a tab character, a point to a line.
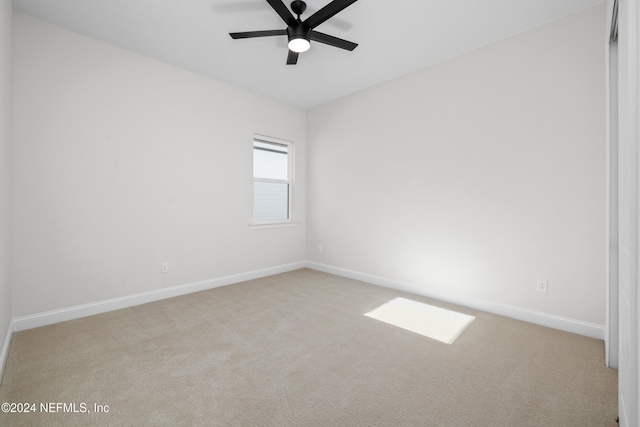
474	177
6	68
122	163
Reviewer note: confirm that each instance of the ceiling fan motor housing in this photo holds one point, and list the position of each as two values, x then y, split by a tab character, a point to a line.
300	31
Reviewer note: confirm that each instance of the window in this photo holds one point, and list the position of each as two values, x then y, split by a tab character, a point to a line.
272	184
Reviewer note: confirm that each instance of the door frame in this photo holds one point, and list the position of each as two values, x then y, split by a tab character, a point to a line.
612	330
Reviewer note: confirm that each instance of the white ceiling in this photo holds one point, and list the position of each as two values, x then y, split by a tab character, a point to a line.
395	37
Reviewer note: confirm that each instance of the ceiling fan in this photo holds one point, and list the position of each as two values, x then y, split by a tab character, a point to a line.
299	32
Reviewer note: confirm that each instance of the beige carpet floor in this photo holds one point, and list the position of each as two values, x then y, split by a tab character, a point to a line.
296	350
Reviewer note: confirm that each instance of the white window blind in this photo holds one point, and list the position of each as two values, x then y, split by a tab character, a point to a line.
271	180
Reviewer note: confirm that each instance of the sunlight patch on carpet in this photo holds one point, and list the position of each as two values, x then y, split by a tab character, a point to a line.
424	319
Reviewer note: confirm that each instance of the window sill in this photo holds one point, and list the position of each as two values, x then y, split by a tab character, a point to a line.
273	224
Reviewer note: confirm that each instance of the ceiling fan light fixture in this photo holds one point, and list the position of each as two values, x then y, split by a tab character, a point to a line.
299	38
299	32
299	45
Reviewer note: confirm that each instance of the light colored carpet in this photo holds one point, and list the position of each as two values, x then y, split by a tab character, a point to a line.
296	350
424	319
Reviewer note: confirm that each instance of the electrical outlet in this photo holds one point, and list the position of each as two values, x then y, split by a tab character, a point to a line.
165	267
541	286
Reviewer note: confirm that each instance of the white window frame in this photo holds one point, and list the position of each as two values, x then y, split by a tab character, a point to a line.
290	181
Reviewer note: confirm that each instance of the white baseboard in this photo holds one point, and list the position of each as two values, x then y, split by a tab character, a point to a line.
4	352
70	313
84	310
531	316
